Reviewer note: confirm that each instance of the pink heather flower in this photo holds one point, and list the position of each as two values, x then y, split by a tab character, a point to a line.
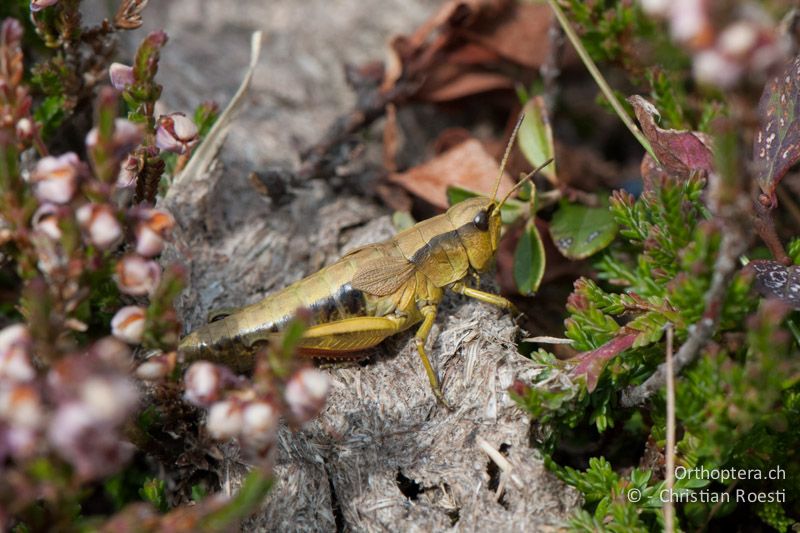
109	399
15	347
203	382
126	137
224	420
89	444
113	352
24	128
128	324
137	276
157	368
38	5
259	424
101	225
306	393
56	178
176	133
712	68
151	230
45	220
21	406
121	75
128	172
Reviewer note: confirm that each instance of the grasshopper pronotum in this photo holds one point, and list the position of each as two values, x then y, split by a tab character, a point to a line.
372	292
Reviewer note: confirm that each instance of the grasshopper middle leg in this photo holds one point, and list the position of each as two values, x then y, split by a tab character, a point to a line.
485	297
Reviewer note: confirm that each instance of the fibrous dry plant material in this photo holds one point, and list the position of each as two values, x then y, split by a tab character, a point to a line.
383	455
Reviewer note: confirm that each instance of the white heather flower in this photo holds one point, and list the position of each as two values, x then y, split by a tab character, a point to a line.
305	393
109	399
56	178
24	128
38	5
15	347
136	275
203	382
689	21
113	352
151	230
224	420
121	75
738	39
128	324
128	172
712	68
176	133
101	224
125	138
45	220
21	406
157	368
260	423
655	8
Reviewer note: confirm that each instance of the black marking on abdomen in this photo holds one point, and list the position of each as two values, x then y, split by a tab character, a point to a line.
346	302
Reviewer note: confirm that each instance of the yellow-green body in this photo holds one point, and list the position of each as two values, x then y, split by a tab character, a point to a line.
369	294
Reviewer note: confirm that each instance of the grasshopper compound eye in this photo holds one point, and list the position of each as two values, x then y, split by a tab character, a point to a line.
481	221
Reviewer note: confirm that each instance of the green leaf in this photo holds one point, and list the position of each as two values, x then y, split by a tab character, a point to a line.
529	260
153	491
510	211
536	137
580	231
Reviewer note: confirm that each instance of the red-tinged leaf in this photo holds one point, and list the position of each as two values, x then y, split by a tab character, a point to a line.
591	364
773	280
467	165
679	151
777	143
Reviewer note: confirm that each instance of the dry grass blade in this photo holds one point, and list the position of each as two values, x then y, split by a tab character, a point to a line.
207	151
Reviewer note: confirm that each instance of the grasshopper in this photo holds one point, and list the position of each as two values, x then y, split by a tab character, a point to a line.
373	292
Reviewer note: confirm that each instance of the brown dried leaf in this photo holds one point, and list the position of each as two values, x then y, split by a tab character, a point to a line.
774	280
777	143
679	151
467	165
462	49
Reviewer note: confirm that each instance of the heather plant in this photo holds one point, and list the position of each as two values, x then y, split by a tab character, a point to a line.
679	274
89	332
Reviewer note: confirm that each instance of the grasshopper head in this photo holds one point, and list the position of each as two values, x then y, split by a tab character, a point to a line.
478	224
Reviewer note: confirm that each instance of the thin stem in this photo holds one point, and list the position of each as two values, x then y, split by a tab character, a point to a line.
669	511
599	79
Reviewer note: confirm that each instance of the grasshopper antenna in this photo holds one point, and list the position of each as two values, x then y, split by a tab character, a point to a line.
524	180
507	153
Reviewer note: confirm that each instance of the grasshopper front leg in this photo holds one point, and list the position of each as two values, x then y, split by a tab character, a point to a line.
486	297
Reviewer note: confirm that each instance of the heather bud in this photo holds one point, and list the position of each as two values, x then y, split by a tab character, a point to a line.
176	133
15	346
203	382
224	420
101	224
45	220
121	75
126	137
151	230
157	368
128	172
305	393
38	5
259	424
136	275
24	128
21	406
56	178
128	324
108	399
